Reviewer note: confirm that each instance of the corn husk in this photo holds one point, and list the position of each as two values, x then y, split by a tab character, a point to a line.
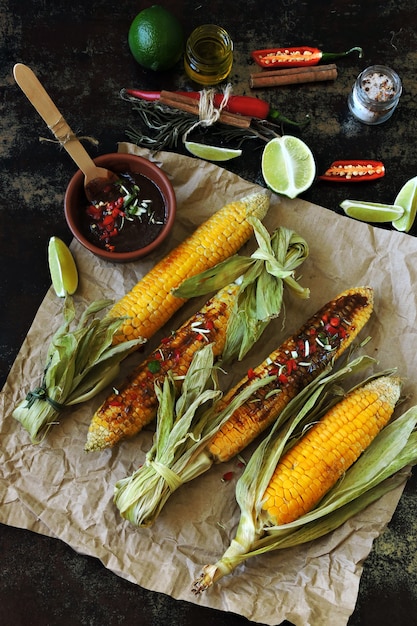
178	453
373	474
79	363
262	277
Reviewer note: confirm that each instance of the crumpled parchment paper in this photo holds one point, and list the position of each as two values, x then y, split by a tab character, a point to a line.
57	489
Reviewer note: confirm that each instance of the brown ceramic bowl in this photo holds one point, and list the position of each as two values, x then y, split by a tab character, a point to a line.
75	204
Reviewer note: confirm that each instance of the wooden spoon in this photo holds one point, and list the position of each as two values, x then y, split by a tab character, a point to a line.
96	179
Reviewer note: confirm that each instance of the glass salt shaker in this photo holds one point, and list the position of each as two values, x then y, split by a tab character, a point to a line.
375	94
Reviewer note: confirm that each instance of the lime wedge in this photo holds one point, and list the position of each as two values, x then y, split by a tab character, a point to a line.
62	267
288	165
407	199
372	211
211	153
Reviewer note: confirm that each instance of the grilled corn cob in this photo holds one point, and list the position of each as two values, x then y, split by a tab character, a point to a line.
151	303
294	364
134	404
310	468
282	492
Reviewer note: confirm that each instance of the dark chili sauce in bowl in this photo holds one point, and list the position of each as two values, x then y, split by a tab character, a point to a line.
130	216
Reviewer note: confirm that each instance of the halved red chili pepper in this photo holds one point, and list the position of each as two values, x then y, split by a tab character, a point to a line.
271	58
354	171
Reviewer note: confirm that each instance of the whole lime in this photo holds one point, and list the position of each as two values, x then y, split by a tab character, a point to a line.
156	38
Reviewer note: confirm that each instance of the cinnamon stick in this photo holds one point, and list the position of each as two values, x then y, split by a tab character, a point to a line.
189	105
293	75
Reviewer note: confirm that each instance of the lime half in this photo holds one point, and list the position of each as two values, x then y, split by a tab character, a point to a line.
372	211
62	267
407	199
288	165
211	153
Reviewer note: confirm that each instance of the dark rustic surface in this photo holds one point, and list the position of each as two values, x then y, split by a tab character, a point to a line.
79	51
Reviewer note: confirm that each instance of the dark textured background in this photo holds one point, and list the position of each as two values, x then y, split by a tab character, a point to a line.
79	51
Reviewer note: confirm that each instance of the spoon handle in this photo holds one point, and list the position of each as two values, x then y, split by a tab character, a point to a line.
39	98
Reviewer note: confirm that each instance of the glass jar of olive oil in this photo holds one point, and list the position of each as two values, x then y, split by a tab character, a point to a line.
208	57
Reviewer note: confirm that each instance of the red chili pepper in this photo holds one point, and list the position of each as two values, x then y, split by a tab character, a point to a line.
272	58
107	220
291	366
341	332
251	373
243	105
94	212
332	330
354	171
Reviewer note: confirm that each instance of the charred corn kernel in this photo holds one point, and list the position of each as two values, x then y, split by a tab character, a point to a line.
294	364
150	303
126	411
315	463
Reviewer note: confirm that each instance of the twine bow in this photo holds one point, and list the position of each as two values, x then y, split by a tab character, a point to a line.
40	393
208	114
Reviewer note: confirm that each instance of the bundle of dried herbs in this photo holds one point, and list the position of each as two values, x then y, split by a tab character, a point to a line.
162	126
